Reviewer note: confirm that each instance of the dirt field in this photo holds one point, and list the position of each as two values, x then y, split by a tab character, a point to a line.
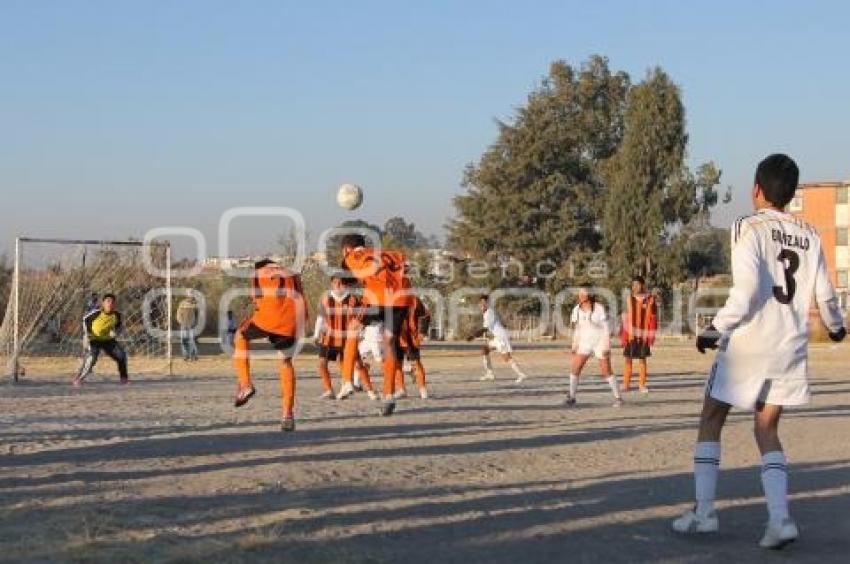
168	470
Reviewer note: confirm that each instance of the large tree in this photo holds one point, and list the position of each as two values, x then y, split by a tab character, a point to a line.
652	195
535	196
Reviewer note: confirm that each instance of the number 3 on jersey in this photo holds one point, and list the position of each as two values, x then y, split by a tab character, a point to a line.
791	262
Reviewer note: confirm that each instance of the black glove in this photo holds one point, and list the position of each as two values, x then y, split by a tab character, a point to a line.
839	335
708	339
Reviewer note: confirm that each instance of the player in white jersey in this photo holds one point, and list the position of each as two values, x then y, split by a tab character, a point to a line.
591	336
762	332
498	341
371	345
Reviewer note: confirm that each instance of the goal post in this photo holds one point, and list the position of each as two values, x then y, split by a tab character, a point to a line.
55	281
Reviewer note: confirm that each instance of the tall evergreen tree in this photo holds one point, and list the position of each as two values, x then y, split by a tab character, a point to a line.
651	192
535	196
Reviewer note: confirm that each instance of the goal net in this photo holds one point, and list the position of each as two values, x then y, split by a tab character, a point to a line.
55	282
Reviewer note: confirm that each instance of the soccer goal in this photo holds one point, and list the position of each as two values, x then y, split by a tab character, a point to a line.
56	281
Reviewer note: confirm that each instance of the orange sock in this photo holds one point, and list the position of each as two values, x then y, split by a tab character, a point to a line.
241	361
627	374
287	387
325	375
390	365
365	379
399	377
642	373
420	373
349	360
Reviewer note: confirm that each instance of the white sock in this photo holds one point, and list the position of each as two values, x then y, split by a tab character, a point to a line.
573	385
706	469
516	369
612	383
356	379
488	366
774	480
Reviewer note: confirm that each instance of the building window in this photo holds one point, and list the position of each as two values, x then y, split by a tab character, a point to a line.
796	204
841	197
841	236
842	278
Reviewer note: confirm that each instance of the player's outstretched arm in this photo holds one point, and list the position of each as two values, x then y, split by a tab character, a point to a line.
828	307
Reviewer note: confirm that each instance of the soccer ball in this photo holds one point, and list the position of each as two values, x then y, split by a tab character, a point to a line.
349	196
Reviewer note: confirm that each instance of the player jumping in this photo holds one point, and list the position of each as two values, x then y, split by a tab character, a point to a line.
499	341
591	336
386	299
279	315
778	266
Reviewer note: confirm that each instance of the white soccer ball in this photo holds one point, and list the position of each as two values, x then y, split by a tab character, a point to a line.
349	196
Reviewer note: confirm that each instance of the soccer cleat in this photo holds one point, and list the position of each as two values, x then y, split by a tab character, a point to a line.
124	381
287	424
77	383
644	390
423	393
387	408
345	391
243	395
778	535
327	394
520	378
399	394
570	401
357	388
617	403
489	375
691	523
372	395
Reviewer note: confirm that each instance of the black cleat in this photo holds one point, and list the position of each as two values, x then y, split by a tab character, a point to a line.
387	408
243	395
287	424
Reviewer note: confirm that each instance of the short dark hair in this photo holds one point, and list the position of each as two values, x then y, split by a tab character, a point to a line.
352	240
638	278
261	263
778	177
109	295
484	297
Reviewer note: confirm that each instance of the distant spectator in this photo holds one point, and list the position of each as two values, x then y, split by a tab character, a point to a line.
187	318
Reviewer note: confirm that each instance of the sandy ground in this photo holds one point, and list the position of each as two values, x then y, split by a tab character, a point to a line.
167	470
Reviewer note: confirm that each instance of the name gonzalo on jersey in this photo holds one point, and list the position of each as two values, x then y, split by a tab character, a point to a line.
788	240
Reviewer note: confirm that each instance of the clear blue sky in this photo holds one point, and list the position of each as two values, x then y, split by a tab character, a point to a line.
120	116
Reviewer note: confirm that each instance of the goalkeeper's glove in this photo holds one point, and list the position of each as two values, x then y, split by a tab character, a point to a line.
708	339
839	335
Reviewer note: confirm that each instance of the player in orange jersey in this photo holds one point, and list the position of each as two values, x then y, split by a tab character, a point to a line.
280	312
386	300
338	308
417	322
640	321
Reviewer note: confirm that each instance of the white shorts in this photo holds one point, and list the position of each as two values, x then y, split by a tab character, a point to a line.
598	346
745	392
374	348
500	346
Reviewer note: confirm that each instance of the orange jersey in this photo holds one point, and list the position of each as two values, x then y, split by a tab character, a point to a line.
640	320
279	304
382	276
337	314
417	314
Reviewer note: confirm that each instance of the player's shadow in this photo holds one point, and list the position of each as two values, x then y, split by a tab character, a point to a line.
619	518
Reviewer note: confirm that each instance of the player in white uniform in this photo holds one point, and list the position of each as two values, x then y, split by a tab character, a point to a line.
762	332
591	336
499	341
371	345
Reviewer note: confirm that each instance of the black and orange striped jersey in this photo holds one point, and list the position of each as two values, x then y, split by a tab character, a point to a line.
337	315
415	324
640	319
280	307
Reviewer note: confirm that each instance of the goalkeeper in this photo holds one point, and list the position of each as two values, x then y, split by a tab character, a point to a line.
102	326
